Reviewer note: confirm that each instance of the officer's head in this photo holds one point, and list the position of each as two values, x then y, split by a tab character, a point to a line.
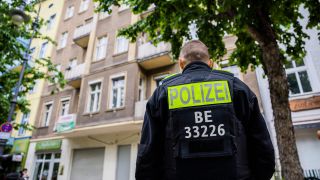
192	51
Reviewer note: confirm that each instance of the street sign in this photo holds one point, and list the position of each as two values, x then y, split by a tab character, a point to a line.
4	135
6	127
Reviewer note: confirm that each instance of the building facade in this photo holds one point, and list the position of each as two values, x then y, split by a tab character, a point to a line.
91	128
50	12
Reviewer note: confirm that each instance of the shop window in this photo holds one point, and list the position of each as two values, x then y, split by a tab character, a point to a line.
298	78
47	166
123	162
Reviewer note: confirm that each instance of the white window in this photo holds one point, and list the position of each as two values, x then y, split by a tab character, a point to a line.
123	7
94	97
142	89
64	109
72	63
46	114
43	50
298	78
122	44
24	121
235	70
69	12
47	166
63	40
84	5
101	48
117	92
50	21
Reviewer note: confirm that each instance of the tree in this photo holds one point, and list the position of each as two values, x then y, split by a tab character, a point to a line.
12	53
260	28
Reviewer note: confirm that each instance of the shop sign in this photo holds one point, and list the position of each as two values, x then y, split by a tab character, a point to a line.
6	127
17	158
4	135
49	145
305	104
66	123
20	145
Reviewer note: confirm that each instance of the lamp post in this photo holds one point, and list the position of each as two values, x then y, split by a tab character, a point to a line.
18	16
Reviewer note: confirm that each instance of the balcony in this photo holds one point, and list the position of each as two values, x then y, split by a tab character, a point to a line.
139	110
152	57
81	35
74	75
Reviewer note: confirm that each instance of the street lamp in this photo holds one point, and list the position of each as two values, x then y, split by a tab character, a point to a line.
18	16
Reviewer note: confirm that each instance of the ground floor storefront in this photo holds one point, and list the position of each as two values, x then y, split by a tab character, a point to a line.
94	157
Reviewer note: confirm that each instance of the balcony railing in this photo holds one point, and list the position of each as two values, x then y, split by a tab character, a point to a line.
74	74
312	174
151	56
81	35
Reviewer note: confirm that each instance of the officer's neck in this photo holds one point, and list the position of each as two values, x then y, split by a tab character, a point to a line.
196	65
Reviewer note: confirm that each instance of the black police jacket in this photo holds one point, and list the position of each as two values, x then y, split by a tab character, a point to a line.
173	146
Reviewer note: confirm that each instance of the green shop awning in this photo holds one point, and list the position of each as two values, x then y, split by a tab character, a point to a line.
20	145
49	145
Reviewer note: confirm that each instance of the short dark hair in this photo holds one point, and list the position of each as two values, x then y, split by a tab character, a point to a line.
194	50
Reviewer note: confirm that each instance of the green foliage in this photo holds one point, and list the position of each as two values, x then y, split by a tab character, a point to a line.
12	54
169	22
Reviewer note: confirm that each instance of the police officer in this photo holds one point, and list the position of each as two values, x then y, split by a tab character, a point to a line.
203	124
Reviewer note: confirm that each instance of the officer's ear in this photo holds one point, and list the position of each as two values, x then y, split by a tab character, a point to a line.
182	63
210	63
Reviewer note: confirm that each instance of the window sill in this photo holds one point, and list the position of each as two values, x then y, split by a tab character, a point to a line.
99	60
90	113
115	109
42	127
60	48
104	17
120	53
304	95
66	19
123	10
82	11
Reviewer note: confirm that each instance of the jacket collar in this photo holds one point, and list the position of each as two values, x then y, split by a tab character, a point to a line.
197	65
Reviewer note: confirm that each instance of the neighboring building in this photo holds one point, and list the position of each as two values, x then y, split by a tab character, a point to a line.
91	128
304	97
50	11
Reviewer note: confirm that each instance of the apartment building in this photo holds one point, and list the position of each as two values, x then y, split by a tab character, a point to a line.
304	97
91	128
50	12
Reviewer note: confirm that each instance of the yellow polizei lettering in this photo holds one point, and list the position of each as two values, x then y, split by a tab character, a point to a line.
198	94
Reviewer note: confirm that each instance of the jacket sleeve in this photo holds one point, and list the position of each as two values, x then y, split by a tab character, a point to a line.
260	148
149	158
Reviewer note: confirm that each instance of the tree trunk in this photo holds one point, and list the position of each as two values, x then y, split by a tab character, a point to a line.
272	61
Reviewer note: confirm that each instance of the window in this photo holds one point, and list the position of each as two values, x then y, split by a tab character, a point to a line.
43	50
158	79
105	14
298	78
50	5
234	70
47	166
72	63
69	12
24	121
33	90
63	40
64	109
122	44
101	48
123	7
50	21
141	89
84	5
94	97
117	92
123	162
31	53
46	114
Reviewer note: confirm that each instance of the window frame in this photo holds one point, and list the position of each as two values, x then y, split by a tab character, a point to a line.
96	58
86	6
43	49
110	92
63	41
88	98
51	21
47	123
116	51
69	12
21	130
61	105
